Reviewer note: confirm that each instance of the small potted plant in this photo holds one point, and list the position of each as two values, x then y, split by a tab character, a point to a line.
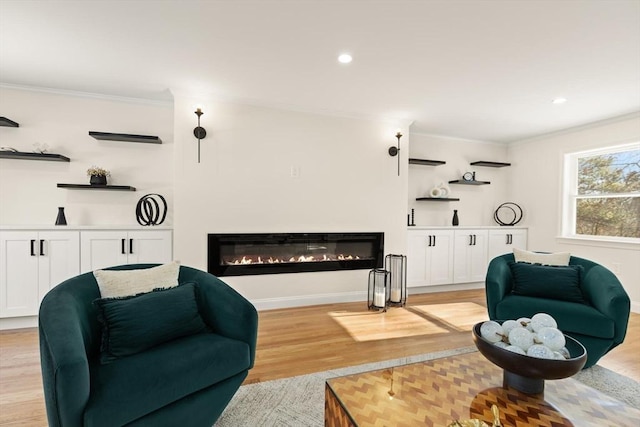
97	175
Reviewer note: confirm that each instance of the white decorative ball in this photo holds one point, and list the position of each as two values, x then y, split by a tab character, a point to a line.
552	338
525	322
491	331
521	337
540	351
563	351
558	356
543	320
508	325
516	349
501	344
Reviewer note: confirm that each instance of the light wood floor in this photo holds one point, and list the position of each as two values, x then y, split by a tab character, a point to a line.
308	339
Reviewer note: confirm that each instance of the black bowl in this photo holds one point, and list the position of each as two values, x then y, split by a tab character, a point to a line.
526	373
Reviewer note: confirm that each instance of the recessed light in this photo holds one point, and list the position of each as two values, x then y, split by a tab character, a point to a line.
345	58
559	100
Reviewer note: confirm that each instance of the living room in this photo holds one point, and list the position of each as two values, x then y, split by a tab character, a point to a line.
275	165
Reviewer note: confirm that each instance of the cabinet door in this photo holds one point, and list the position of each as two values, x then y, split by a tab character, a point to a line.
58	258
150	246
101	249
440	257
18	273
417	272
503	241
470	256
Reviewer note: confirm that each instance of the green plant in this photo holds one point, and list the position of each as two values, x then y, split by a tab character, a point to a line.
97	171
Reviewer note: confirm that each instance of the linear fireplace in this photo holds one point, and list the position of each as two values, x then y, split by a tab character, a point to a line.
270	253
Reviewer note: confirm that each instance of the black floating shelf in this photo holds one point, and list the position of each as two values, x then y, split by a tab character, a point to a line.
106	136
463	182
426	162
33	156
8	123
490	164
97	187
437	199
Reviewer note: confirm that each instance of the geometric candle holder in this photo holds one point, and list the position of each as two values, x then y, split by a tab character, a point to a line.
396	265
378	291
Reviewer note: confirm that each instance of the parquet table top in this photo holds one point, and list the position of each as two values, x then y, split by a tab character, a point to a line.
437	392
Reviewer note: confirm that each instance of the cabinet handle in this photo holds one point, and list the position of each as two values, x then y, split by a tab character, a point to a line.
434	240
33	250
474	239
510	238
122	247
470	239
130	246
41	247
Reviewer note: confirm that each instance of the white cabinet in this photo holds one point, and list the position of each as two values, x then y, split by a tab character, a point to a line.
101	249
503	241
429	257
470	255
31	263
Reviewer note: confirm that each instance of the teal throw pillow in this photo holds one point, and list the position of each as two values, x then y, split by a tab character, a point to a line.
545	281
134	324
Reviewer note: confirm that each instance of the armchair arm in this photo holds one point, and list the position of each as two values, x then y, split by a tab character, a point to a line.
63	359
498	282
227	312
605	292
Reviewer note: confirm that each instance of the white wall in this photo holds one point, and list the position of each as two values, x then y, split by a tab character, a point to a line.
28	191
477	203
347	182
536	178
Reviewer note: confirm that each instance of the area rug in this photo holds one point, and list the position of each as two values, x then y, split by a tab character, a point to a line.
299	401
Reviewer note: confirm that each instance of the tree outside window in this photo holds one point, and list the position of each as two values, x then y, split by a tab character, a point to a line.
605	193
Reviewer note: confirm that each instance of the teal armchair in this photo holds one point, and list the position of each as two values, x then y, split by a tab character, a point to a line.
185	382
600	324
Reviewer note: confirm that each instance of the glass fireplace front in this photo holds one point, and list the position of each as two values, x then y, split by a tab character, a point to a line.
270	253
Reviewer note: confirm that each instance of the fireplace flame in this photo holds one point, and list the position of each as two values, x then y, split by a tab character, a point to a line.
258	259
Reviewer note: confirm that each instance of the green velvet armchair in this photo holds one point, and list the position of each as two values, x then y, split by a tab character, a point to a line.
600	323
184	382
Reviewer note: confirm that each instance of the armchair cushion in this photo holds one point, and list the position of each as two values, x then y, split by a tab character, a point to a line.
555	282
557	258
122	283
134	324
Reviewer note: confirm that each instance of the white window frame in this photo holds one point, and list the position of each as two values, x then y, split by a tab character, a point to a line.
570	196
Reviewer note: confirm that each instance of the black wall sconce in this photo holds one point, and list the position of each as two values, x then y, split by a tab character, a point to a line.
199	132
395	151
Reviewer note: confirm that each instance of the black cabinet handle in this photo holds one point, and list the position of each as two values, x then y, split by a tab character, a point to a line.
41	247
470	239
122	247
434	240
506	239
475	237
33	250
130	246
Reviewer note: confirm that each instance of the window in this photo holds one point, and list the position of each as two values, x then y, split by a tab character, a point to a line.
602	193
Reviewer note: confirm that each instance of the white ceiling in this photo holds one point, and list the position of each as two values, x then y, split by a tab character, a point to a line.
482	70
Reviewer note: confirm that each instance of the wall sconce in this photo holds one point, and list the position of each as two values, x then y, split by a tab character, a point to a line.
395	151
199	132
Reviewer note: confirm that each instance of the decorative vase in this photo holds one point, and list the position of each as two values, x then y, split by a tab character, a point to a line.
455	221
98	180
61	219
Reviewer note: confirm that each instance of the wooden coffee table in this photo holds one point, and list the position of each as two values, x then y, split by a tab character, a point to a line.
437	392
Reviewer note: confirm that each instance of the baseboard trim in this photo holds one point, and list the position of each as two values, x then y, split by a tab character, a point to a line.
304	300
635	307
18	323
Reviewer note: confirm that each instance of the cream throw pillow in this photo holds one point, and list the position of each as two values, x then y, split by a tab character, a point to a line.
558	258
122	283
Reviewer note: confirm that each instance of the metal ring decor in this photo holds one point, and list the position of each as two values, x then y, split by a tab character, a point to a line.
517	216
148	210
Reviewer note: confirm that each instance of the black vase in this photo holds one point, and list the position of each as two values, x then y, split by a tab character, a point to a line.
98	180
455	220
61	219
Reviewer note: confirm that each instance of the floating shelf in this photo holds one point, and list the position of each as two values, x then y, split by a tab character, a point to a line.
426	162
97	187
33	156
437	199
463	182
106	136
8	123
490	164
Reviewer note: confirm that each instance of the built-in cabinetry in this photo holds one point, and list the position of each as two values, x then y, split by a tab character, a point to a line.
34	261
451	255
100	249
31	263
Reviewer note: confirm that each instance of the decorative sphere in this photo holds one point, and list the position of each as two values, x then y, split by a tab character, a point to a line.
525	322
540	351
516	349
552	338
543	320
563	351
501	344
491	331
508	325
558	356
521	337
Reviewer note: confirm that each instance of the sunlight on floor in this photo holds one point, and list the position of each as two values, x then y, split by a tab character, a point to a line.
460	315
395	323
